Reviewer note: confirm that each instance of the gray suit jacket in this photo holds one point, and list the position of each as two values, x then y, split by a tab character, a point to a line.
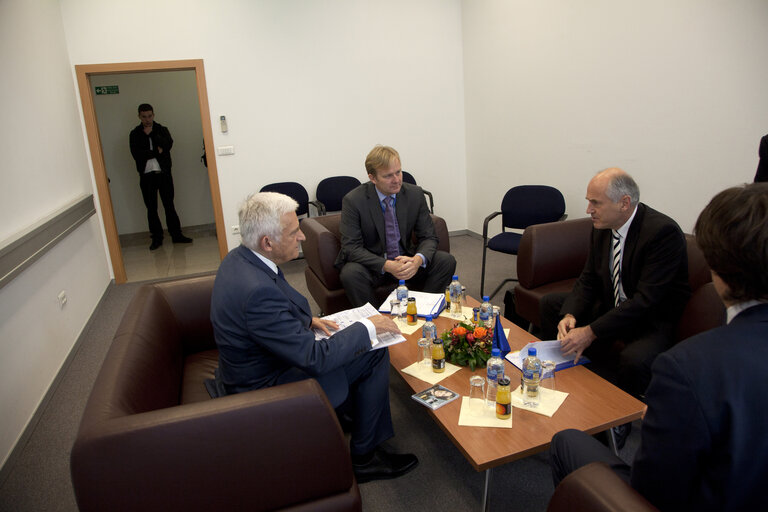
362	226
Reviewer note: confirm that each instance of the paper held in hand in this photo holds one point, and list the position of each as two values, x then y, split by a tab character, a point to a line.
545	351
426	303
349	316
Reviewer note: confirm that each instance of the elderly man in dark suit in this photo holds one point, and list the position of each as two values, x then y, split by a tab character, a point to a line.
379	220
625	305
703	438
264	331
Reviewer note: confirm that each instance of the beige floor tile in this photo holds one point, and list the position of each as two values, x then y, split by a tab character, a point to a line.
171	259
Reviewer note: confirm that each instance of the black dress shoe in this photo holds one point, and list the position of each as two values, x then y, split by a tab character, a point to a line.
384	465
155	244
181	239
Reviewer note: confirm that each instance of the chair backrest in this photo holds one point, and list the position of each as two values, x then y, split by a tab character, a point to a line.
294	190
408	178
331	191
526	205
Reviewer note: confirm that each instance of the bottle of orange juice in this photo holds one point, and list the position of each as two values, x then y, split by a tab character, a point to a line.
503	399
411	311
438	356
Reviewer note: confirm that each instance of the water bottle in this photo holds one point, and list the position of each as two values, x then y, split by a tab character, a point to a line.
485	315
455	292
429	331
531	378
495	371
401	294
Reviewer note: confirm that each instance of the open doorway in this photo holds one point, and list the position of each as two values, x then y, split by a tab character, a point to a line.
119	198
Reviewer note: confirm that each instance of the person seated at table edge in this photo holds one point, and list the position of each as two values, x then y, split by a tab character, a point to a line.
264	330
703	435
378	222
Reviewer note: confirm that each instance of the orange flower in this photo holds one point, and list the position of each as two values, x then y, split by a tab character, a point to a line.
459	331
480	332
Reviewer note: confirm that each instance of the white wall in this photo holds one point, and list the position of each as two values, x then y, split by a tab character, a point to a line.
673	92
44	168
173	95
308	86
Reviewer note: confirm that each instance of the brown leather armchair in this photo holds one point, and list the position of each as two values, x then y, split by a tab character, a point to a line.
596	488
552	256
320	250
152	439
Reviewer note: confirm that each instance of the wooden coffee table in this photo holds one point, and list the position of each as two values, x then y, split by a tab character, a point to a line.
593	405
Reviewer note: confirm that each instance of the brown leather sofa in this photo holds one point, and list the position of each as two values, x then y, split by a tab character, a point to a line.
596	488
152	439
552	256
320	250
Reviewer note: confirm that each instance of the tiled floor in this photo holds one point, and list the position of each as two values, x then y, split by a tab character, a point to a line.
171	259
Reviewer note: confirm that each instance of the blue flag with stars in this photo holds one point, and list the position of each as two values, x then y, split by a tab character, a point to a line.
499	338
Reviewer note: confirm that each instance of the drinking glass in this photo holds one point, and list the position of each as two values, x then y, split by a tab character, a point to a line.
424	357
476	395
547	375
397	311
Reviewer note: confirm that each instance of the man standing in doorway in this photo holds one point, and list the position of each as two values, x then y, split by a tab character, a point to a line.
151	145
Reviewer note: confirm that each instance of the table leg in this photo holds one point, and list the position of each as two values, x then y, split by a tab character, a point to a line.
612	442
486	501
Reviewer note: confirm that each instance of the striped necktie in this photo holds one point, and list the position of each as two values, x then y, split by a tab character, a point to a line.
616	267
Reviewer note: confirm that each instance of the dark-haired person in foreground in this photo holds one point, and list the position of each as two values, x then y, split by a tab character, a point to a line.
703	440
264	331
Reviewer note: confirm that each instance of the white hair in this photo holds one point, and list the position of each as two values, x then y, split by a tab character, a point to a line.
261	214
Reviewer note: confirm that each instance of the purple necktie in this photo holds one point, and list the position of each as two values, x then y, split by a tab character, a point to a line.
391	230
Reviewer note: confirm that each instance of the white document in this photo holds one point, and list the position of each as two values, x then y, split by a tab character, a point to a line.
546	351
349	316
426	303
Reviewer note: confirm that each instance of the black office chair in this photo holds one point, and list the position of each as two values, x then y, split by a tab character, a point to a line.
408	178
297	192
331	191
521	207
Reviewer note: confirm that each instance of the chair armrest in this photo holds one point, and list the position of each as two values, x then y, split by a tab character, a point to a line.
431	200
485	224
319	206
240	452
554	251
596	488
321	248
441	230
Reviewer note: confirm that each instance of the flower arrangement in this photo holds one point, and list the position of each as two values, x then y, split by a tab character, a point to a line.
468	345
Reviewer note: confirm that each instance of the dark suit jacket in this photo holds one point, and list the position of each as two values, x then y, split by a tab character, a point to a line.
362	226
762	165
703	442
261	325
139	143
654	274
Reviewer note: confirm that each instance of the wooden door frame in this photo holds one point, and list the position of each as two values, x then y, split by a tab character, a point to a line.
84	73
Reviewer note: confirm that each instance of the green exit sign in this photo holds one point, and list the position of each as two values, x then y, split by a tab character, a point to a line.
107	89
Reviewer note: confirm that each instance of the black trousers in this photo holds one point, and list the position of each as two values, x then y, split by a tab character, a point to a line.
151	184
572	449
360	284
361	388
624	361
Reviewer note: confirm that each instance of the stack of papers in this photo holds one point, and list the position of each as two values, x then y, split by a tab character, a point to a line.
426	303
546	351
349	316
